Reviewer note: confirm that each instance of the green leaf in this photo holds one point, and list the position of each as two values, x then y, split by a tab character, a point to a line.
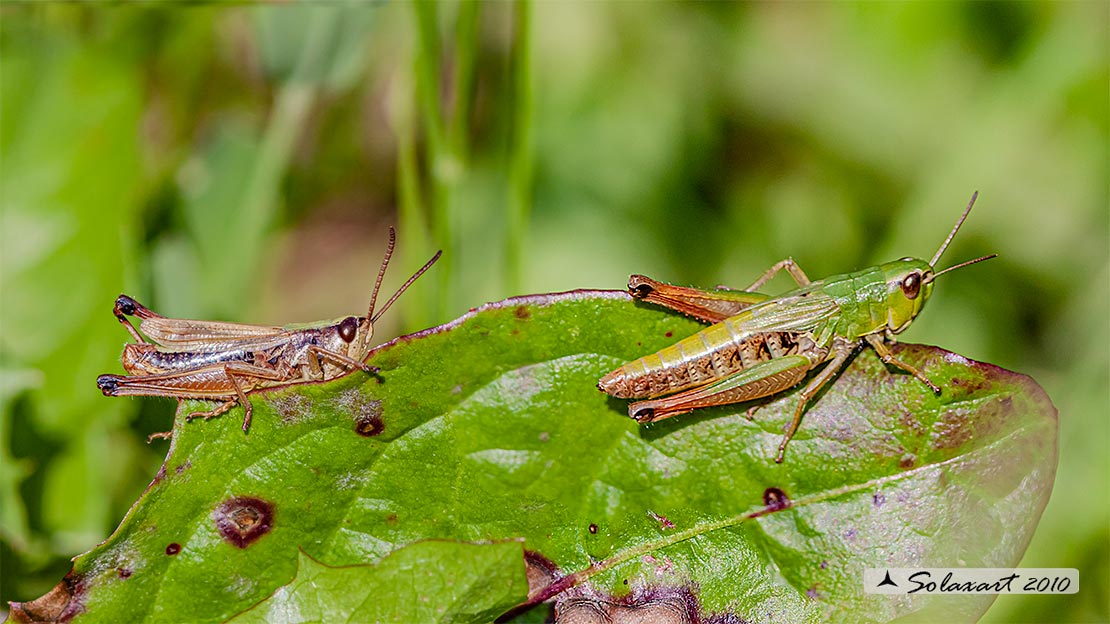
435	582
491	428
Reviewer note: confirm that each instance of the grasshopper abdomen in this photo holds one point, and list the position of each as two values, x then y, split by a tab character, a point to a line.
713	353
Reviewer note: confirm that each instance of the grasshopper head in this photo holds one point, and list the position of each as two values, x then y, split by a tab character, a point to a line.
356	332
909	282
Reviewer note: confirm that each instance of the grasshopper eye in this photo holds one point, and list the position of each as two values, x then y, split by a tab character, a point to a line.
348	327
911	285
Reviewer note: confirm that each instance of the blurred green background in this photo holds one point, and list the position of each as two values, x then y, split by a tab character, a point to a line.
243	163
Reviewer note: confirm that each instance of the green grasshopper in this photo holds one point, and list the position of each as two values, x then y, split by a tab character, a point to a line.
217	361
760	345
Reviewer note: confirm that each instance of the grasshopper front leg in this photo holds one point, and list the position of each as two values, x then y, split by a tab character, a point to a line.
315	354
880	347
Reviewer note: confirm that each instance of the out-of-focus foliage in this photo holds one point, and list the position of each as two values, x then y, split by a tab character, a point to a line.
243	163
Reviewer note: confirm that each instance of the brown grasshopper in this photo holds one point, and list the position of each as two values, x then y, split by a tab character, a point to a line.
217	361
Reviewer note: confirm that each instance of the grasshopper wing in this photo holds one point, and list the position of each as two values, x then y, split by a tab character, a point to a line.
208	336
808	309
195	336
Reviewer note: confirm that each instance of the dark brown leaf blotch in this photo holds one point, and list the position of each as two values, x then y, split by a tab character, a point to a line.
370	424
243	519
775	499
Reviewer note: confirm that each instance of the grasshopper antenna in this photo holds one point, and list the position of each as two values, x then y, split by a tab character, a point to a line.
952	234
404	287
381	271
960	265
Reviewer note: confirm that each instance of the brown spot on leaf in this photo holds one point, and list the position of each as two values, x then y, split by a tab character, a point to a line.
912	423
391	519
582	611
124	573
592	529
879	499
183	467
243	519
522	313
60	604
370	425
968	386
367	413
775	499
952	430
907	461
643	605
661	610
540	571
669	334
173	548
